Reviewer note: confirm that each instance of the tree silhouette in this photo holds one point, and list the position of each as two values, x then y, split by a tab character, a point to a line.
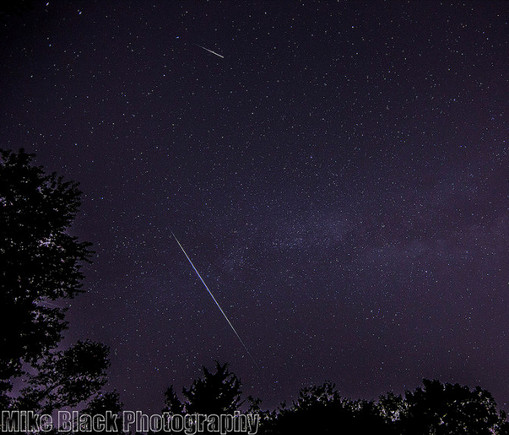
39	261
446	408
101	405
435	409
391	407
39	264
320	409
216	392
66	378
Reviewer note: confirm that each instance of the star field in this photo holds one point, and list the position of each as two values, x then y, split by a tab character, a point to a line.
339	179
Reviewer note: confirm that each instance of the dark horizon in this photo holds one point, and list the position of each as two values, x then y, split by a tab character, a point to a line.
336	172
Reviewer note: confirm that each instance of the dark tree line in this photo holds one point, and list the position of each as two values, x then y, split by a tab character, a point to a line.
40	263
433	408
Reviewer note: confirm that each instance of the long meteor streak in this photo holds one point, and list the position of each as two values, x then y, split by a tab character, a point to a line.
214	299
210	51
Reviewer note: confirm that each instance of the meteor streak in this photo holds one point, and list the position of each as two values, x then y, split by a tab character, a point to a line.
210	51
214	299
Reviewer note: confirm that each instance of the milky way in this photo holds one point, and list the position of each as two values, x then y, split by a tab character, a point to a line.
341	171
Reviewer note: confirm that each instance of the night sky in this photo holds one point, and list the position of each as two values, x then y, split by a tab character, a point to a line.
337	172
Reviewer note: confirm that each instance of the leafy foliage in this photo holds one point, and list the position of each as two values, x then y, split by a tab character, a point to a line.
39	261
320	409
66	378
435	409
446	408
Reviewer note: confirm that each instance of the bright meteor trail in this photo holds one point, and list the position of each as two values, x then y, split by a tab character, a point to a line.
214	299
210	51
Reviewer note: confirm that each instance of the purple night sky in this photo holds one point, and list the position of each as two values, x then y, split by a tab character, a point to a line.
339	177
